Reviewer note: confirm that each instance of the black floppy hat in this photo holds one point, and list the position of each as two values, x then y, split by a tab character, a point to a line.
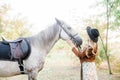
93	33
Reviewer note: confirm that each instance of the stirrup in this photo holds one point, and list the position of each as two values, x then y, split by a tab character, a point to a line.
21	66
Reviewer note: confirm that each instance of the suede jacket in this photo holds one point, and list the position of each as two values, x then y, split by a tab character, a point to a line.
88	53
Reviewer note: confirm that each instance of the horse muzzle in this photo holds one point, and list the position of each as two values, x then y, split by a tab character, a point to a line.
77	41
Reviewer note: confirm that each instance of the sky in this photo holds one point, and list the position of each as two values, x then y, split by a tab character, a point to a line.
41	13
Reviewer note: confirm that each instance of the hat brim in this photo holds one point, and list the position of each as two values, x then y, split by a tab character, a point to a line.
90	35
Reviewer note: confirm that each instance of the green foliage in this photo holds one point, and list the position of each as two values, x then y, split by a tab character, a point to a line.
60	45
101	52
113	12
12	28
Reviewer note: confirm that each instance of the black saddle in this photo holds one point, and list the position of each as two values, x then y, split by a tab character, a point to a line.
18	49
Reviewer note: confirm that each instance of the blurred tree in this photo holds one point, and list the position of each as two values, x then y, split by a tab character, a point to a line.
3	11
113	12
12	28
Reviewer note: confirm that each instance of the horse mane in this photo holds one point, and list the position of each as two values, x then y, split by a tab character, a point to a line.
43	38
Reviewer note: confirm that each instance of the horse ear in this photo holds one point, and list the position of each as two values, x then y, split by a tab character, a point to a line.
58	21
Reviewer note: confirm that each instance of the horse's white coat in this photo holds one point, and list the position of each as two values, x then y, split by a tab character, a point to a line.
41	44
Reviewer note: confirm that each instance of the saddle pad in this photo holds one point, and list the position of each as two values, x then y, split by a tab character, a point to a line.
5	52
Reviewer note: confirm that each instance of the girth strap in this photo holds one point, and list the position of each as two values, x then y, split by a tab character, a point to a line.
21	66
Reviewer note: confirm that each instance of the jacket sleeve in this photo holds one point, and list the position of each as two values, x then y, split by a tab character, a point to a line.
79	54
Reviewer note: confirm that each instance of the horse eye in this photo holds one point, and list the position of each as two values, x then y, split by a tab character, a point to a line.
69	28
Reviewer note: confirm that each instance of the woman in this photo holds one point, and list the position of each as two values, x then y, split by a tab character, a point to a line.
87	55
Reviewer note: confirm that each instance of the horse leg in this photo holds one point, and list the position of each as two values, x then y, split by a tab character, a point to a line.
32	75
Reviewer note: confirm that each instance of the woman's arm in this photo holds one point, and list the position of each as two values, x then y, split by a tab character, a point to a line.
76	52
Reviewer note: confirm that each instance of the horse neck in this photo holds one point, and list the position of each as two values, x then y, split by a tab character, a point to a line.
46	39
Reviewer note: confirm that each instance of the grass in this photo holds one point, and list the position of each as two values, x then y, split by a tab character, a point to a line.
60	67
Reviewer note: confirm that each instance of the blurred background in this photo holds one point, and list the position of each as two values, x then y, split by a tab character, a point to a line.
21	18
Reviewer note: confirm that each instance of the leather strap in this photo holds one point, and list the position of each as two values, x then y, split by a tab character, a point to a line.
21	66
81	72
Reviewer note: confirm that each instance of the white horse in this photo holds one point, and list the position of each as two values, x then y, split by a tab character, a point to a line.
41	44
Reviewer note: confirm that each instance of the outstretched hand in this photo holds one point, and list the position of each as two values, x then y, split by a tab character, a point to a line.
77	41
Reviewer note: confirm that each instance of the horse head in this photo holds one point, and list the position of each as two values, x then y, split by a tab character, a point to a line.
68	33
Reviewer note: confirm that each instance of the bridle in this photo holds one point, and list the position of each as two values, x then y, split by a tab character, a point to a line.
72	37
